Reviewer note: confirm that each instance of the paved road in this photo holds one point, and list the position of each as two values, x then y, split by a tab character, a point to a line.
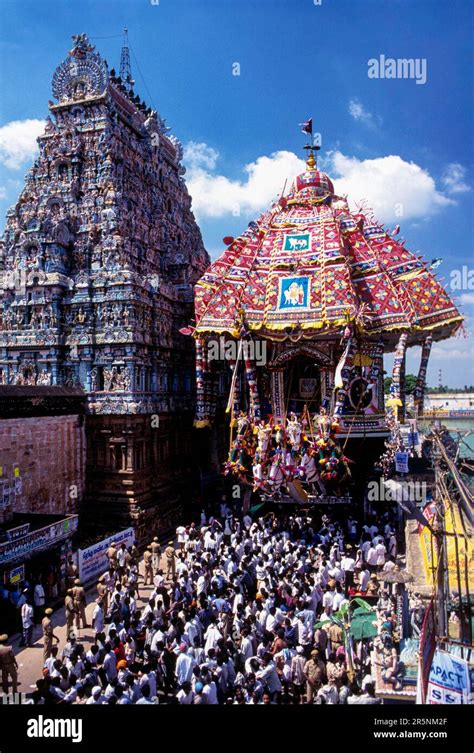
30	660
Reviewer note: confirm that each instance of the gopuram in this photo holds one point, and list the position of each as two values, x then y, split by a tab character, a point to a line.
98	261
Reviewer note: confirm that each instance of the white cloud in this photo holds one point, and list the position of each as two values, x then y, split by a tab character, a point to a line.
3	192
455	348
453	178
200	156
466	299
393	188
216	195
359	113
18	141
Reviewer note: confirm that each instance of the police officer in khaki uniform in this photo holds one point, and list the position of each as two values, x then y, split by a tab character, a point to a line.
71	572
103	593
147	560
135	553
8	665
112	556
79	597
170	556
70	610
48	634
155	554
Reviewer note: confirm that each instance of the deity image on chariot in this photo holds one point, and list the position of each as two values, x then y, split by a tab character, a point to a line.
294	292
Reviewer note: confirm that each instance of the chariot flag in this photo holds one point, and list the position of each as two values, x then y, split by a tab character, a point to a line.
307	126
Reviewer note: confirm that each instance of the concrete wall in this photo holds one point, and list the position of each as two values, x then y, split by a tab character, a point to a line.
50	453
450	401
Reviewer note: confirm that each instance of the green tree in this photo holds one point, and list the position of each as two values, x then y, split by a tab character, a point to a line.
410	384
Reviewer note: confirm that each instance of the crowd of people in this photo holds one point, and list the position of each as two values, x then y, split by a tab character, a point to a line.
237	611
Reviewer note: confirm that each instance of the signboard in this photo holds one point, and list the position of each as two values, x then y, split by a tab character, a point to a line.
92	562
35	541
401	462
449	682
16	533
409	435
17	575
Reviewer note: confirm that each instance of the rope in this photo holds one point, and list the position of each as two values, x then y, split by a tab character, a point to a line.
142	77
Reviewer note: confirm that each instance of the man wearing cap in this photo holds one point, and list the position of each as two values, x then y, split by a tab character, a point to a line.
27	615
102	593
48	633
71	571
170	556
155	554
70	610
315	672
148	562
8	665
79	598
297	674
112	555
184	665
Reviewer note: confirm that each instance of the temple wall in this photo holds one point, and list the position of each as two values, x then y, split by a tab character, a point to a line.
49	453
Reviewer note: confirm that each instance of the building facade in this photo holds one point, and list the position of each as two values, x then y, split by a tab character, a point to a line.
98	261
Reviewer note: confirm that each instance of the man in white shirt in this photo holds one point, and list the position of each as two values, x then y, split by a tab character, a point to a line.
181	536
185	664
380	552
110	663
39	598
96	698
348	565
364	576
185	696
371	558
145	699
268	676
27	622
328	598
98	617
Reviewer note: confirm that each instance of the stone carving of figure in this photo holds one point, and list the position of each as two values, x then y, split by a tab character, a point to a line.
108	379
43	378
126	378
80	317
94	375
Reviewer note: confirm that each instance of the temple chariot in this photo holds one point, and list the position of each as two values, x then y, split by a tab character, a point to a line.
302	307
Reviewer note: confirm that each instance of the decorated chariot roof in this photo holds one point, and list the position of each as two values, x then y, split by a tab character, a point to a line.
310	265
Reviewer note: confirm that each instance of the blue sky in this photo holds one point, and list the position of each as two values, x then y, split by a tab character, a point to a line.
406	147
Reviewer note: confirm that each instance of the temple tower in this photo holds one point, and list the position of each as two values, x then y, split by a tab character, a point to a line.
99	259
